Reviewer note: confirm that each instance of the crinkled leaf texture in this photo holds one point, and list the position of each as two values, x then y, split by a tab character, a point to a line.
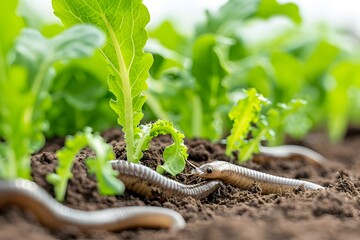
108	184
244	115
261	132
174	155
124	23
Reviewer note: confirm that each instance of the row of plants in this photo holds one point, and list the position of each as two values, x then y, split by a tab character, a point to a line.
209	69
195	84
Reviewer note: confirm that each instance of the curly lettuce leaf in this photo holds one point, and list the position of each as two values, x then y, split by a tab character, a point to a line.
261	132
174	155
124	24
244	115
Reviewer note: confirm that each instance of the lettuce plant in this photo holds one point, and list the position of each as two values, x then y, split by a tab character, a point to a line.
252	124
124	23
24	83
246	117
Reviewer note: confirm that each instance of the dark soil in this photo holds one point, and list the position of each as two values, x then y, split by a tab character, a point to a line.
229	213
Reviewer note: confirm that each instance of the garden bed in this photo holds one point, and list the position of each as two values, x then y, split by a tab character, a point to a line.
229	213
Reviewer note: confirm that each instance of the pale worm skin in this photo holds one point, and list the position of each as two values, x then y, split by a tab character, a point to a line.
284	151
147	182
29	195
245	178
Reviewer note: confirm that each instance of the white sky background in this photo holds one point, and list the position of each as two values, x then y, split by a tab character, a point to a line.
338	13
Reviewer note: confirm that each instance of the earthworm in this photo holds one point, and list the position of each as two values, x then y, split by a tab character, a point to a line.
147	182
29	195
283	151
244	178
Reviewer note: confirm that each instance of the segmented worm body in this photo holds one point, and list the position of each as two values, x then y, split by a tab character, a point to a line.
29	195
147	182
244	178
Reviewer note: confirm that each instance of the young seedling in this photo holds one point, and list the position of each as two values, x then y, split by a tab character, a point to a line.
108	184
249	120
247	117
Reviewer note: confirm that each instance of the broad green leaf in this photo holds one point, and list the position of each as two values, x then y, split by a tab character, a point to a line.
167	35
236	12
289	80
124	24
345	77
244	115
75	84
231	13
38	53
209	72
16	127
10	24
286	119
320	60
269	8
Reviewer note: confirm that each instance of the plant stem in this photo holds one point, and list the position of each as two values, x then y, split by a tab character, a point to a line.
196	121
125	80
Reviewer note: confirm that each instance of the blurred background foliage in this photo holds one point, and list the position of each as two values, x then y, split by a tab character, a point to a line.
79	92
318	64
199	75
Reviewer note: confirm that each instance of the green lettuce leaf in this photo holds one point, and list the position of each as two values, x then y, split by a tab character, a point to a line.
269	8
287	119
261	132
244	115
174	155
235	12
124	24
209	72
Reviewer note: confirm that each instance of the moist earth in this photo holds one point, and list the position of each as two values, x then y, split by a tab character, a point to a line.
229	213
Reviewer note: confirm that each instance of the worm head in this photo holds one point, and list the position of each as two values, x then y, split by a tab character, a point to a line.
207	171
